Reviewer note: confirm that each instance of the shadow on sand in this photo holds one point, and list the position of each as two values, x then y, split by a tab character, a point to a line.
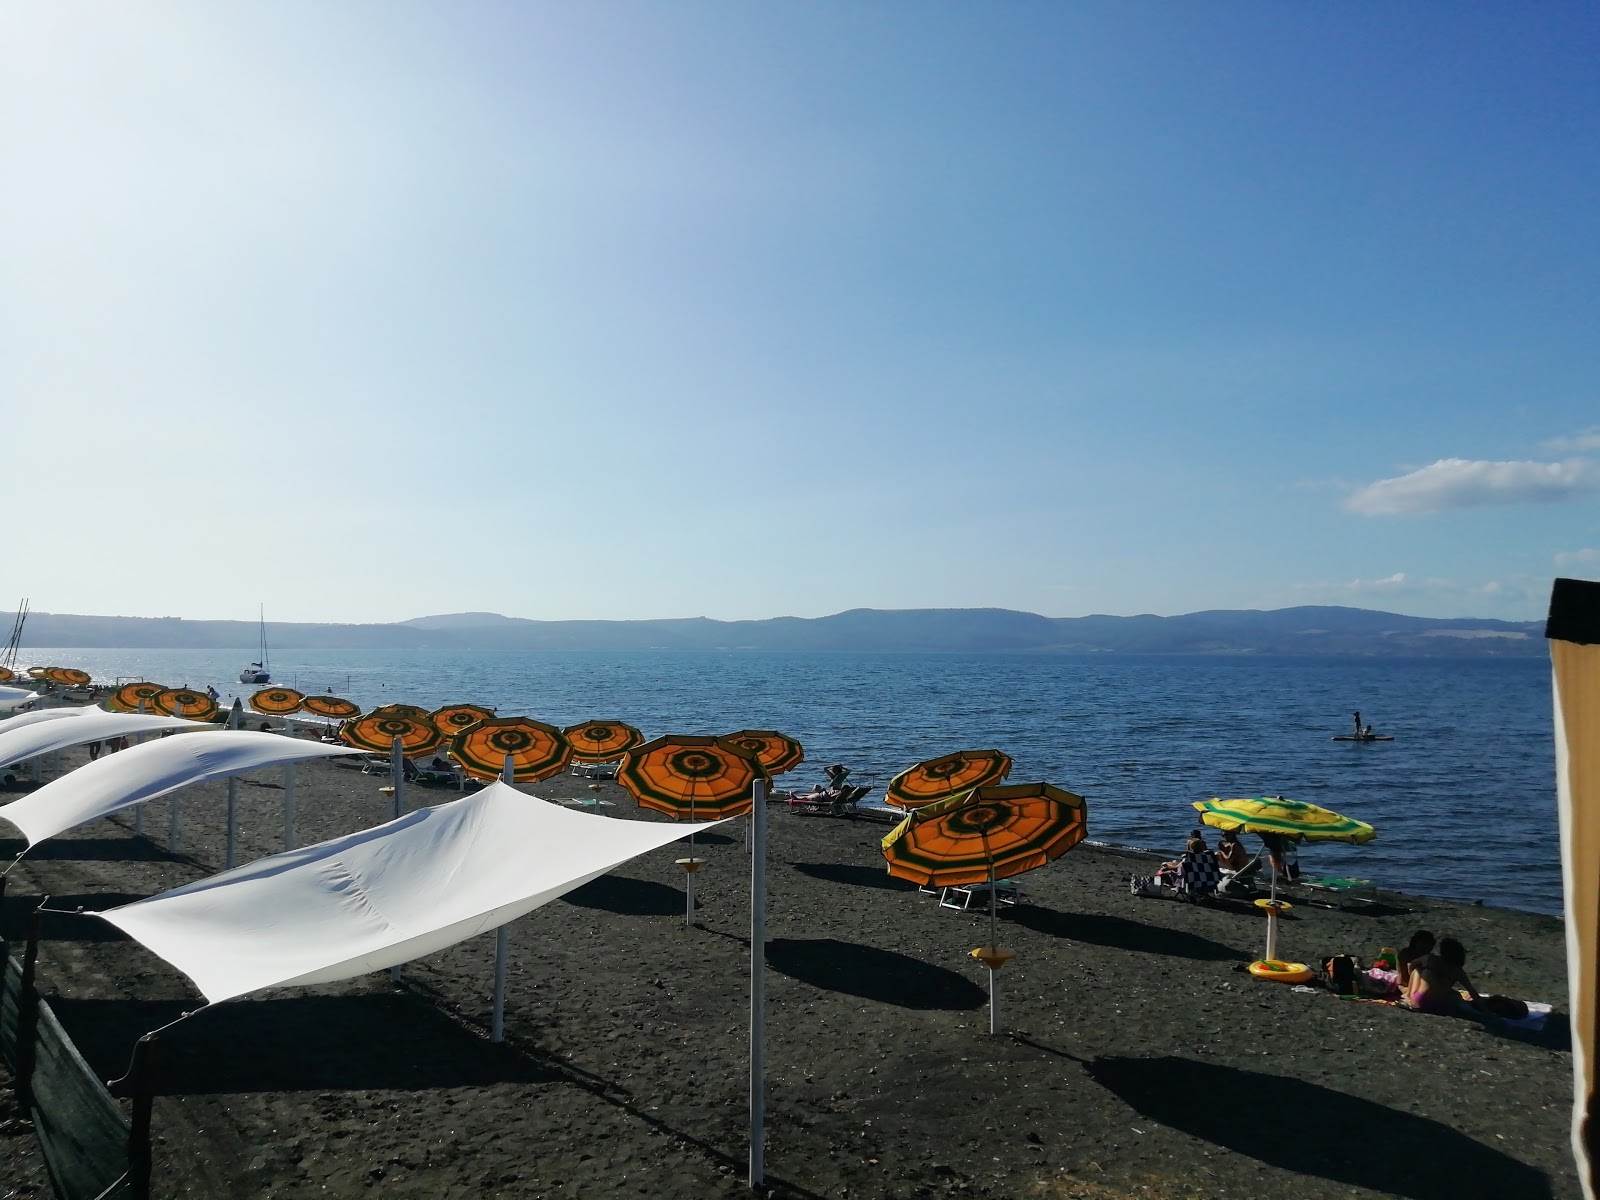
873	974
58	927
855	876
90	849
630	897
1123	934
1331	1135
293	1043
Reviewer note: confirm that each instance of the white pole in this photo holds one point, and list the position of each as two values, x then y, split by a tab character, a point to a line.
138	809
397	769
502	945
688	895
288	806
994	1001
758	986
175	805
231	854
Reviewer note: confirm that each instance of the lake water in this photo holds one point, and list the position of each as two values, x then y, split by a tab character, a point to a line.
1463	799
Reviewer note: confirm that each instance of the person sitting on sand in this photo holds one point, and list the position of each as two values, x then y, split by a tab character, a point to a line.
1231	854
1434	980
1420	946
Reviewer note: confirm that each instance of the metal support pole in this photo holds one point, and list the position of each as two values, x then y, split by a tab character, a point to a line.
231	855
138	809
141	1081
758	986
288	806
994	1001
397	769
502	945
174	805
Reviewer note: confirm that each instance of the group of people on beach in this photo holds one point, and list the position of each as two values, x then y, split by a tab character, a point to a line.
1432	978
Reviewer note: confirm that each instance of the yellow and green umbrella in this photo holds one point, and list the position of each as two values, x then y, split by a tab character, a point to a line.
691	777
537	750
602	741
777	752
183	702
1288	819
336	707
940	778
378	729
276	701
453	718
130	696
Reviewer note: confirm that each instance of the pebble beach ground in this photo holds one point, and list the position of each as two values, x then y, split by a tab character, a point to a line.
1138	1058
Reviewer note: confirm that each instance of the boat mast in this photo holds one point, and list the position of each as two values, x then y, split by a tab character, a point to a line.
10	657
263	614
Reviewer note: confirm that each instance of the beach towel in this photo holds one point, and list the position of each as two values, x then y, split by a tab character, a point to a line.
1198	875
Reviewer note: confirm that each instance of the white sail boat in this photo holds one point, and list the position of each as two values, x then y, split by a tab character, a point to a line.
258	671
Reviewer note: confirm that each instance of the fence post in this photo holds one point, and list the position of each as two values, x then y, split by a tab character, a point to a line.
142	1079
28	1014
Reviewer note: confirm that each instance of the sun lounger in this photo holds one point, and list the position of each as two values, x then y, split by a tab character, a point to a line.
1007	894
1333	892
593	770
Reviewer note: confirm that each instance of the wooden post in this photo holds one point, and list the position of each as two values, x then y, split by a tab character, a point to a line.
141	1080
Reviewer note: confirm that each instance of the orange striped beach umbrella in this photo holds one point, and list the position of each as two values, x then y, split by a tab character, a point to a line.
939	778
777	752
378	729
130	696
7	674
602	741
336	707
405	710
453	718
183	702
68	676
276	701
537	750
693	778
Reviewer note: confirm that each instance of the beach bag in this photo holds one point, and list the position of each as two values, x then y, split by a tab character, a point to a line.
1144	885
1340	974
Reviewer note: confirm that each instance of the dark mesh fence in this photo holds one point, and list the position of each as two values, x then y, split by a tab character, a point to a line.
82	1129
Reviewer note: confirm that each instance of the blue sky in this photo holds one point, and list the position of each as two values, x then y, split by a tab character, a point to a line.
371	310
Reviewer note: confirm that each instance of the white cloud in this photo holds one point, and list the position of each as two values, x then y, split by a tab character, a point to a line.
1466	483
1578	558
1588	439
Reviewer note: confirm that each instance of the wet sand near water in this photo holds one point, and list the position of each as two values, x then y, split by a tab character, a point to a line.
1139	1058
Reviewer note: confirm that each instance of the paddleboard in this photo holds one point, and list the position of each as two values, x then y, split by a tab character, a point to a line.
1375	737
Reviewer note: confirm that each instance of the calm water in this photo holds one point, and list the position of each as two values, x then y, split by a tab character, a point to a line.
1463	799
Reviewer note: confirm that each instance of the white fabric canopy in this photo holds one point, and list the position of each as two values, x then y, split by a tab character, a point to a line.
140	773
41	737
383	896
47	714
11	697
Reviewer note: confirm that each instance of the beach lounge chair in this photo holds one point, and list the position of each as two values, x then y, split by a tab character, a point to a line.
1241	882
1007	894
1335	891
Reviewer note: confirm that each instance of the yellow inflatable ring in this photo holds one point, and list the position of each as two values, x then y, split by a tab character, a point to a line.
1279	971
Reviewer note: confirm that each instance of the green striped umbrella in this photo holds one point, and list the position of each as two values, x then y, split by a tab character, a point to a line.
602	741
537	750
687	776
377	730
453	718
130	696
405	710
948	775
1290	819
778	752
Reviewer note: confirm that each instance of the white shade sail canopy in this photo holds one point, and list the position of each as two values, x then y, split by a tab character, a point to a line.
141	773
11	697
22	720
41	737
383	896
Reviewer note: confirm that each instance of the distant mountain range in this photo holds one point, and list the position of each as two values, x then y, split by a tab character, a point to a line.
1297	631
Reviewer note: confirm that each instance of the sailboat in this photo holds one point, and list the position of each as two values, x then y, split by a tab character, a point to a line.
258	672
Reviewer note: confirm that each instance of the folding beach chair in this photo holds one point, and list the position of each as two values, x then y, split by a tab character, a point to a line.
1198	876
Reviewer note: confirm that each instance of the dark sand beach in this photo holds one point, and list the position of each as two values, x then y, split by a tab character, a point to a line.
1139	1060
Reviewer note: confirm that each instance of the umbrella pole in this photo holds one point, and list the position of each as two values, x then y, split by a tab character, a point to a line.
288	806
502	945
173	807
758	986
